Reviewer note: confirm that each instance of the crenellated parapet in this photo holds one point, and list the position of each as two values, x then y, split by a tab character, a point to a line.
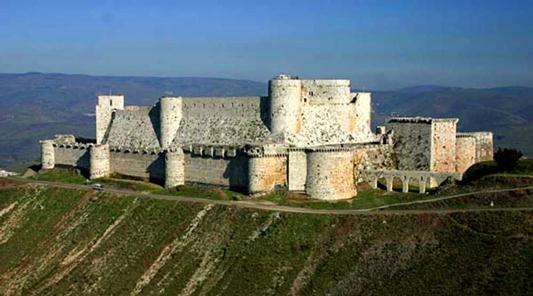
212	151
136	150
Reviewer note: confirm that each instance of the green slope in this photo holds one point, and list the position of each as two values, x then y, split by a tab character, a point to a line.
60	242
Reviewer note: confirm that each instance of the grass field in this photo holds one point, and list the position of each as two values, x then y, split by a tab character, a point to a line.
366	197
58	241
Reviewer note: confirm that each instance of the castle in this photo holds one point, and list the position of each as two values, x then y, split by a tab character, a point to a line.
306	135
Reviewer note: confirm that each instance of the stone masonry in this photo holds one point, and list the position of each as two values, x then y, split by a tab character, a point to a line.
312	136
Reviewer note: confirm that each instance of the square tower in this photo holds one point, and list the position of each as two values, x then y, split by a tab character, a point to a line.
423	143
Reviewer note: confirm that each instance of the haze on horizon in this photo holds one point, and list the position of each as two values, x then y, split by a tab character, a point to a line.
378	44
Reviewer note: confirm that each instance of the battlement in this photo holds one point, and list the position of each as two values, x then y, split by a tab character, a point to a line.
221	151
231	106
476	134
112	101
420	120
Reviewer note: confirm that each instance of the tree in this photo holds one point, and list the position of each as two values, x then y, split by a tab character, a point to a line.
507	158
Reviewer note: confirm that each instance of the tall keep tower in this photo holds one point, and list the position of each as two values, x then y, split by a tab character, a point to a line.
285	94
170	114
104	110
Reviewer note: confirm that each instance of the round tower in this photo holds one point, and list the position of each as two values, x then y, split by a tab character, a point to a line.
174	168
330	174
47	154
170	114
285	94
99	161
256	174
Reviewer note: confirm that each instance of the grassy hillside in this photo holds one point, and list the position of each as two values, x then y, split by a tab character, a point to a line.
68	242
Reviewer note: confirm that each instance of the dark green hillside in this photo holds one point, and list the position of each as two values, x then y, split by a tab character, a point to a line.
58	241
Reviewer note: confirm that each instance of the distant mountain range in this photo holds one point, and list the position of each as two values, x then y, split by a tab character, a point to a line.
35	106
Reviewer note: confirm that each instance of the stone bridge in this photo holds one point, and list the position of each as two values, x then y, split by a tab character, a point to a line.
423	178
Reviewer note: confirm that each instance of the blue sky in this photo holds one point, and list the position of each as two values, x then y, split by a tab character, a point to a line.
377	44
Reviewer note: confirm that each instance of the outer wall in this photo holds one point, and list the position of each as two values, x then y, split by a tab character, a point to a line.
330	175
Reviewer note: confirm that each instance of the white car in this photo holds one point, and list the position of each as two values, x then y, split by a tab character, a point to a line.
98	186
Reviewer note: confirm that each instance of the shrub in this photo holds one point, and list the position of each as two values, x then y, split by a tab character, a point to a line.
507	159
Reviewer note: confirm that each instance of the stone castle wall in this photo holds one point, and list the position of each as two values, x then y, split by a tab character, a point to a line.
104	111
311	135
47	154
484	145
138	164
465	152
330	91
71	156
297	169
285	105
412	143
362	120
267	173
170	114
223	121
99	163
330	174
443	145
174	168
373	157
229	172
134	127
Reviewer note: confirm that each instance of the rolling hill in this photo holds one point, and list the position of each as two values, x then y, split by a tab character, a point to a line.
34	106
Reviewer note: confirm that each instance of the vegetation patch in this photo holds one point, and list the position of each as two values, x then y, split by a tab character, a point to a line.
61	175
523	167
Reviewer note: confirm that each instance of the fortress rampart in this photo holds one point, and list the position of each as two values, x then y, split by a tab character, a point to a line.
100	161
47	154
174	168
465	149
312	136
330	174
104	110
170	114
